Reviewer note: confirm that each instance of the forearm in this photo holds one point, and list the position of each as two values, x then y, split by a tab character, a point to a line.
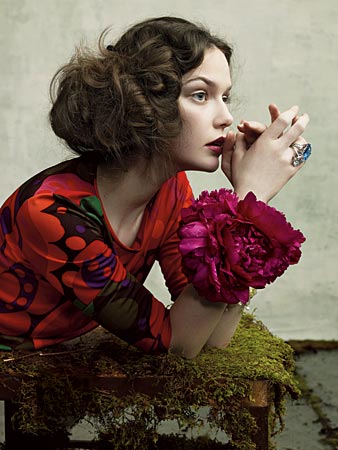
226	327
193	322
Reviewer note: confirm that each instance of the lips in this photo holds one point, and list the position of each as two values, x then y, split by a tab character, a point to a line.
216	145
217	142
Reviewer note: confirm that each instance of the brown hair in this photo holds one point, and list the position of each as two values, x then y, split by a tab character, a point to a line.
121	102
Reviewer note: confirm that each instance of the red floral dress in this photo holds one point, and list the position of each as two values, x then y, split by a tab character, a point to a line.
63	271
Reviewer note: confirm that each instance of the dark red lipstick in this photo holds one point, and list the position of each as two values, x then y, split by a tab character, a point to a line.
216	145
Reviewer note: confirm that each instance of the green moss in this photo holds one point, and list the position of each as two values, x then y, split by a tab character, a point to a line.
53	391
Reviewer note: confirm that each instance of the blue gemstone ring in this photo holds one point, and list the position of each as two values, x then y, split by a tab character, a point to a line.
302	153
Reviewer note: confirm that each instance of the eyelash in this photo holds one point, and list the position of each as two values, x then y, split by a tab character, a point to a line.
200	93
226	98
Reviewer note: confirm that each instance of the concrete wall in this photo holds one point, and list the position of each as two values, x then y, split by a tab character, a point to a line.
286	51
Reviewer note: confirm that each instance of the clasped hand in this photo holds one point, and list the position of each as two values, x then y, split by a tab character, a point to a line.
258	158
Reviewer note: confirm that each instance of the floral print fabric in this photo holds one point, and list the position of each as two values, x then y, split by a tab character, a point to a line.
63	271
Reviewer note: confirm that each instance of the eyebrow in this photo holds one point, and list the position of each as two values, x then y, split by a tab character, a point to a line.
206	81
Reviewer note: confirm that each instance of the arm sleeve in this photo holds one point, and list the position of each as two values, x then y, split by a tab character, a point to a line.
170	258
68	247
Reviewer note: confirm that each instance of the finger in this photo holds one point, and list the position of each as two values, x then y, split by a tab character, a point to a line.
296	130
251	127
274	112
252	130
229	142
294	120
240	147
282	122
228	148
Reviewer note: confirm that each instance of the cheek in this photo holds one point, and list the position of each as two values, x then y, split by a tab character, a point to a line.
190	113
193	126
183	145
186	134
192	119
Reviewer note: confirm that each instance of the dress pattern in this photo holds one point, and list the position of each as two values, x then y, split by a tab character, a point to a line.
63	271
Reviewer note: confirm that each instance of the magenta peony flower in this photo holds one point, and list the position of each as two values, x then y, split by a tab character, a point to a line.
228	245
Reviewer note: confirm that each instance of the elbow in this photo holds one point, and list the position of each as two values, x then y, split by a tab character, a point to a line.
186	353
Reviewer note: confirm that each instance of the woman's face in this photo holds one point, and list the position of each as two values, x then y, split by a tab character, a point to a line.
203	105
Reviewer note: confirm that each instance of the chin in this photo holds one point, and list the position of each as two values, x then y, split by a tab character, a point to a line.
202	169
208	166
213	169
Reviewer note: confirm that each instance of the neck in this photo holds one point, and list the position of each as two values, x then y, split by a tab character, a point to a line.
136	186
125	195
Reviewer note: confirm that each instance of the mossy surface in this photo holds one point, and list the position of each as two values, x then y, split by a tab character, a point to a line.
56	388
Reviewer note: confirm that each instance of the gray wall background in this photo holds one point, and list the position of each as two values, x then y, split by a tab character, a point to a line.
286	51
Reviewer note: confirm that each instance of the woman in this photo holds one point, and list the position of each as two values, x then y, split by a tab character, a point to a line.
79	239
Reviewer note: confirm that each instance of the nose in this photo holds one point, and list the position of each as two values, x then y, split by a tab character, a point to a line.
223	117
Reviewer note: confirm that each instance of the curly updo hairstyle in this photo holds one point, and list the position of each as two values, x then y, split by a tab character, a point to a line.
120	103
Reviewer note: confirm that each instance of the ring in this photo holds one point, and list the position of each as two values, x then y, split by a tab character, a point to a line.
302	153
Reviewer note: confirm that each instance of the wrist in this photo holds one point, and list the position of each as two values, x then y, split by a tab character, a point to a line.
196	296
242	193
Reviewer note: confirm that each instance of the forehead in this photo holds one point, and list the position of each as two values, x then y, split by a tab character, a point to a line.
214	67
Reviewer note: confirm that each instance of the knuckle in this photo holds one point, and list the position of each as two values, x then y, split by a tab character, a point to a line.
283	120
299	126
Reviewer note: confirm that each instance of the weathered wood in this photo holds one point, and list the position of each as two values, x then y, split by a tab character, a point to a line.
121	385
258	402
251	348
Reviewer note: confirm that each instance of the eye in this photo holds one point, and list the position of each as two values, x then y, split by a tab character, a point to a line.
200	96
226	98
